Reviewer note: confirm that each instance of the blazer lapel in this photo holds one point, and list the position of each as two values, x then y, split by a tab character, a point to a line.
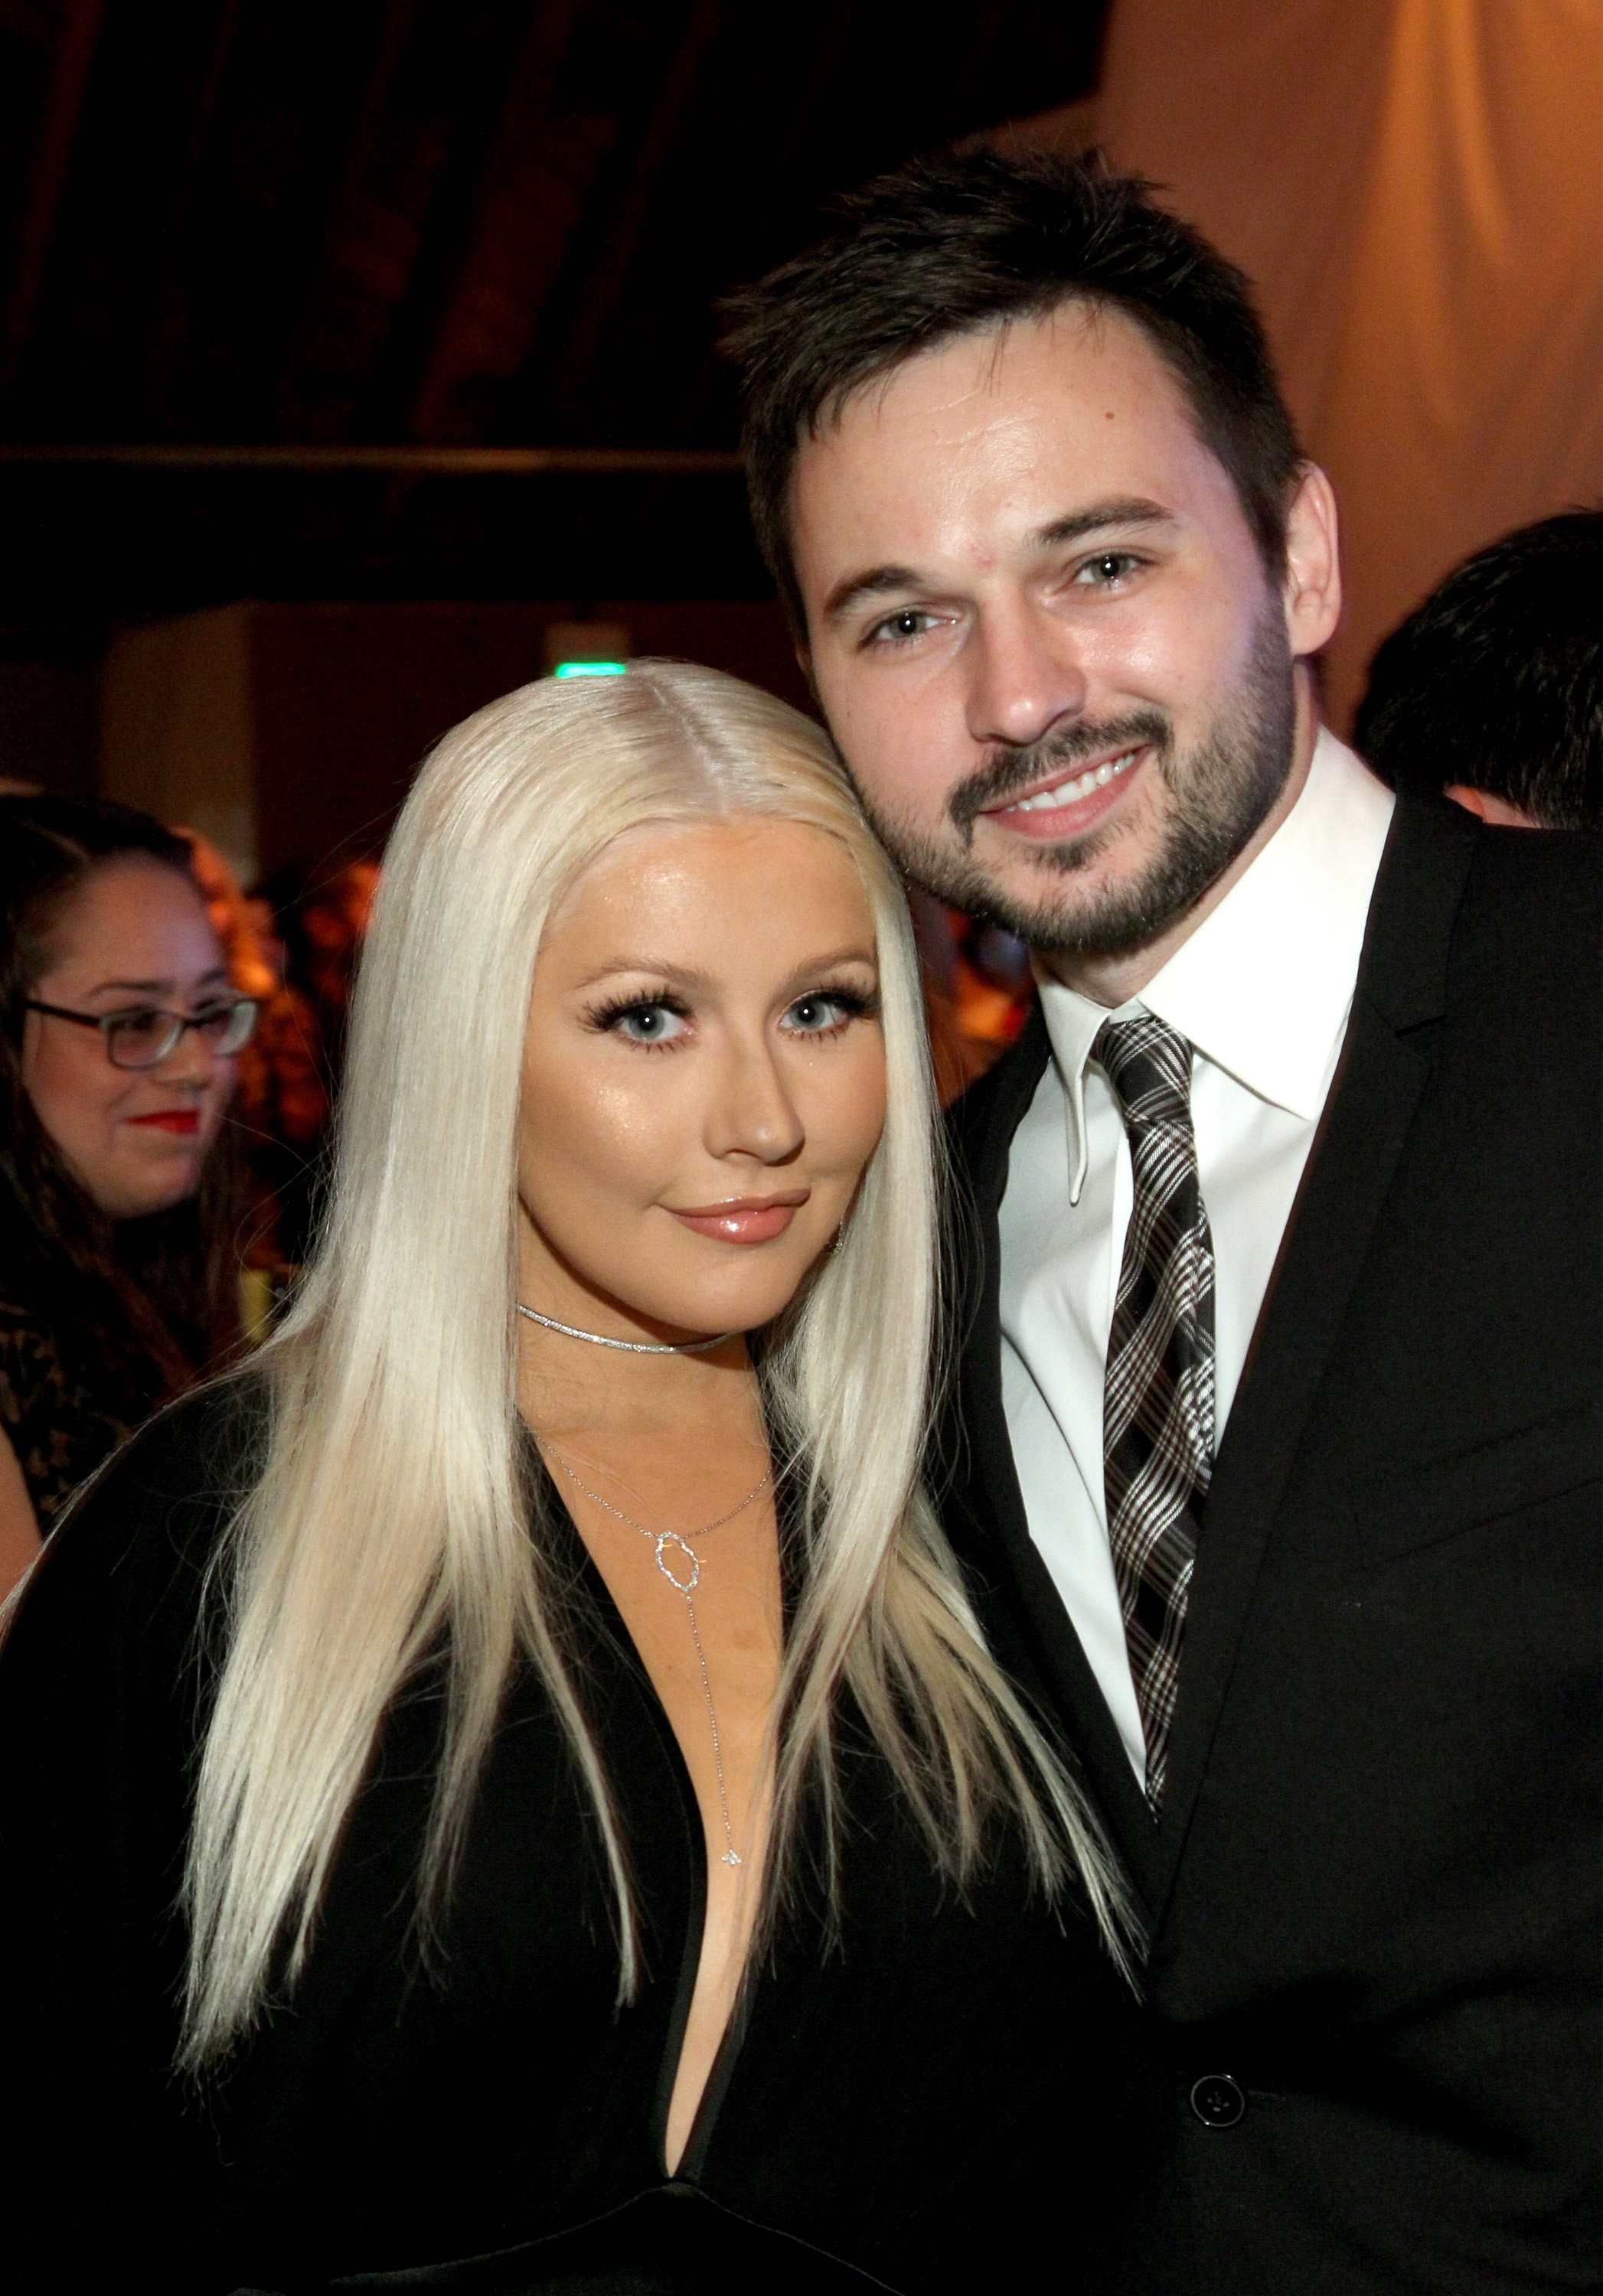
987	1483
1401	988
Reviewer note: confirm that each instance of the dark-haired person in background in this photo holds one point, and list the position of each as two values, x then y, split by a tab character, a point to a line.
1492	691
1279	1452
119	1029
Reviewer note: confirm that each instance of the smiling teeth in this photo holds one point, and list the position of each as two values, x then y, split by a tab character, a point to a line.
1053	800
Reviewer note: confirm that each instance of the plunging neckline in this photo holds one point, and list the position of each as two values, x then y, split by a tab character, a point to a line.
613	1622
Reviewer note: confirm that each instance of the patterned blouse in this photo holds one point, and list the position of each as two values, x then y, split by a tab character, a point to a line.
59	1420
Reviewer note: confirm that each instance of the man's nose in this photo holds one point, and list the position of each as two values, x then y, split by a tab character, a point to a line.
753	1114
1025	678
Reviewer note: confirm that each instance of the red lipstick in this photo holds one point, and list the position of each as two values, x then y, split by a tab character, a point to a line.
743	1220
185	1122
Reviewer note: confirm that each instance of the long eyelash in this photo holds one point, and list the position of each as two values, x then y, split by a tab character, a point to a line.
855	1005
617	1008
862	1004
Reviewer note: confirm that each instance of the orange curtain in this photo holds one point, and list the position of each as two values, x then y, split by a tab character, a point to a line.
1417	188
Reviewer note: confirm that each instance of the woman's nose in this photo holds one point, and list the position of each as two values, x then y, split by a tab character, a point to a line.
753	1113
192	1063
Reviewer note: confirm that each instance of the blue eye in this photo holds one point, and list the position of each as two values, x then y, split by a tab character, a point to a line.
824	1012
651	1024
643	1020
811	1013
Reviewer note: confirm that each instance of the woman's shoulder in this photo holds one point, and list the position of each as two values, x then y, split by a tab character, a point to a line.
29	1354
138	1540
64	1408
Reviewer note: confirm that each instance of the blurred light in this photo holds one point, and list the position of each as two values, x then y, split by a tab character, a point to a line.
589	668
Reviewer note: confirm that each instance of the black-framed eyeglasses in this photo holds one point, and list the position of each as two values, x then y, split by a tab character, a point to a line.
141	1035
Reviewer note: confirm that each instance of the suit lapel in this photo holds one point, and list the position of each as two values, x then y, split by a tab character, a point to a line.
1401	987
986	1482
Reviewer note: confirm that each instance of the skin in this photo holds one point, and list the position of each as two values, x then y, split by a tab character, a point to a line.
1020	537
1500	812
702	1037
136	933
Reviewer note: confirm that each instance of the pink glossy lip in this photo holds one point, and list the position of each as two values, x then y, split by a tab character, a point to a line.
1052	824
743	1220
184	1121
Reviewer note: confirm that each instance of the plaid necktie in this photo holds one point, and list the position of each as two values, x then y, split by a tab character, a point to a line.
1157	1414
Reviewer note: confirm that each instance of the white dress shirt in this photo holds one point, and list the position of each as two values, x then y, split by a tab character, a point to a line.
1262	990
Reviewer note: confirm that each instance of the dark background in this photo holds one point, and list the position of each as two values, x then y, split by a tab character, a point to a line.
238	224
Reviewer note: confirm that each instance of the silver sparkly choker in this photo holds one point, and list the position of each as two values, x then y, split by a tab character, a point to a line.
626	1347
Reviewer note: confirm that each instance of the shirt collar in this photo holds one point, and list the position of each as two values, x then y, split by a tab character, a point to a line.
1262	988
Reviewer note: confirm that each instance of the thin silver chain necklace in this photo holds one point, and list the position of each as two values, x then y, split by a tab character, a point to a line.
661	1539
624	1347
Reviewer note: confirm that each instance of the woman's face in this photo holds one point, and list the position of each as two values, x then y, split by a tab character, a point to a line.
136	933
704	1078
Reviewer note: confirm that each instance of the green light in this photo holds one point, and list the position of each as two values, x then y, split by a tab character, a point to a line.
589	670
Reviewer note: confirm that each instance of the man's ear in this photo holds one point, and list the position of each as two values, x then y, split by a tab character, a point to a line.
804	663
1313	565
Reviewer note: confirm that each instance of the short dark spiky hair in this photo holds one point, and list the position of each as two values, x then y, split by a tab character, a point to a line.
1496	681
950	247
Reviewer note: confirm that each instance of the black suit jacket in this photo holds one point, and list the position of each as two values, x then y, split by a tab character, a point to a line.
1374	1892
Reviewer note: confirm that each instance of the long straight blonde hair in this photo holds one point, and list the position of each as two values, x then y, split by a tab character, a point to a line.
389	1517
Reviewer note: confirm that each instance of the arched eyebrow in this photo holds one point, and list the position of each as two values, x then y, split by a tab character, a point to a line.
888	581
155	987
807	975
689	977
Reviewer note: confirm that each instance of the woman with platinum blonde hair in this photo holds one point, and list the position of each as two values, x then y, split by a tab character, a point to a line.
520	1788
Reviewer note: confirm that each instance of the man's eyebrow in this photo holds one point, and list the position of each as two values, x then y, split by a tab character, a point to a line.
882	581
857	589
1124	510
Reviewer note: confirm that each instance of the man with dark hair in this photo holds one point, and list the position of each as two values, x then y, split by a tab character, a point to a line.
1493	690
1275	1450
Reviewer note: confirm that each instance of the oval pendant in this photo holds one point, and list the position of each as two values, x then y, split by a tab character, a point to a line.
681	1586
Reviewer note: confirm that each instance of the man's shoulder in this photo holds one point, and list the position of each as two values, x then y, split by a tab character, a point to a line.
1532	910
1470	919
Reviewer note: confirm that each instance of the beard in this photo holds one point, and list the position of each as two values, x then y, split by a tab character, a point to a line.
1219	792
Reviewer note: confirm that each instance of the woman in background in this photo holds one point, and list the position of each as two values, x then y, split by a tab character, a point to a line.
119	1029
515	1794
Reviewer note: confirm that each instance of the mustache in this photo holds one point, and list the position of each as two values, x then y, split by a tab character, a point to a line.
1012	769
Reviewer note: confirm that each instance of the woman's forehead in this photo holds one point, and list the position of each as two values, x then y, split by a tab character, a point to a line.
136	915
713	861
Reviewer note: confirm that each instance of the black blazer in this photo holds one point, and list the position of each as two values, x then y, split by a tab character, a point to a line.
1375	1888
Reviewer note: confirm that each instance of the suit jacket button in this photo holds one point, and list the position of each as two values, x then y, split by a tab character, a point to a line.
1218	2100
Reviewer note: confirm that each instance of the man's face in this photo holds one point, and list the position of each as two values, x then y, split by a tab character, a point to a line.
1042	632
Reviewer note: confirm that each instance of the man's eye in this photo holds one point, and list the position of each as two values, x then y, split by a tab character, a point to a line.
1107	566
908	622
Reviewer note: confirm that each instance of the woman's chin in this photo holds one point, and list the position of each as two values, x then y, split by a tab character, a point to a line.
143	1197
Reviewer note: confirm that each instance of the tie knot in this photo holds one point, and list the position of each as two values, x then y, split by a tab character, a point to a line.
1149	1065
